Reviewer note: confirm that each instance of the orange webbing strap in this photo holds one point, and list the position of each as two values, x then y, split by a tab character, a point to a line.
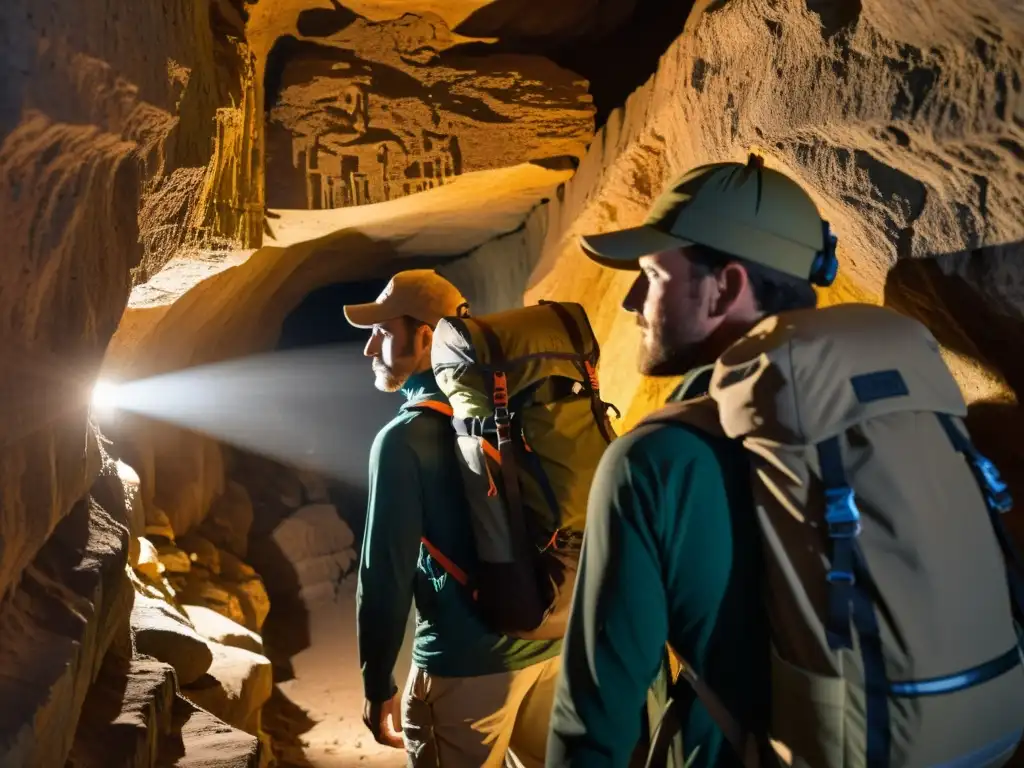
445	562
434	405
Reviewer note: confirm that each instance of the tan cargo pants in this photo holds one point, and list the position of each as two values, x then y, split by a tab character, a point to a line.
479	722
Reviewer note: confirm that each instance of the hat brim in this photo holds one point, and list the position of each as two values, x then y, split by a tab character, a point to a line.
623	249
366	315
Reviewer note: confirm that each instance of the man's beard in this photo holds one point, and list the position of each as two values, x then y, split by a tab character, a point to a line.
387	379
394	378
663	357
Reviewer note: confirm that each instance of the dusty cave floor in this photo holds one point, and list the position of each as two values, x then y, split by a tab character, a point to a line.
315	713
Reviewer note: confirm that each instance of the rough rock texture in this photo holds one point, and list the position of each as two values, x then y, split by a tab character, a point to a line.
234	689
907	124
166	634
102	143
71	605
227	526
206	742
307	554
127	714
364	112
220	629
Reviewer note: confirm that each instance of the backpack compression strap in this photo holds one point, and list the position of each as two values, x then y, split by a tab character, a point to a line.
586	367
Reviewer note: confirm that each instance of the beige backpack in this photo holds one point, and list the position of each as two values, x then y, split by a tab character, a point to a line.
891	583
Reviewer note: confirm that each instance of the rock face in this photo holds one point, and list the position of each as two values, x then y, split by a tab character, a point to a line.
102	143
907	125
127	714
306	555
70	606
365	112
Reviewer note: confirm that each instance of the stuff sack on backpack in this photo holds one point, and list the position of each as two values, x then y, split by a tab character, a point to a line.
531	428
891	583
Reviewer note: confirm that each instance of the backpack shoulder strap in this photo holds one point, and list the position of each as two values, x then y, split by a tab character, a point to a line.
700	412
432	405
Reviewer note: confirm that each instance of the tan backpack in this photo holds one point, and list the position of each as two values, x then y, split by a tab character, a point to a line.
531	428
891	583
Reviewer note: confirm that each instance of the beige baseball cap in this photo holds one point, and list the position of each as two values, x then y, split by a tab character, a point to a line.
745	210
419	293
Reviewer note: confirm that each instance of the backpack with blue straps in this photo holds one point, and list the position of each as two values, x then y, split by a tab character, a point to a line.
894	593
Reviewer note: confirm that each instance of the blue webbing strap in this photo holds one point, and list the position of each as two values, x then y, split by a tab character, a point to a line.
848	593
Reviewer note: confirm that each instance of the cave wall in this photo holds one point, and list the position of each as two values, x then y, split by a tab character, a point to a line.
910	138
101	144
906	124
126	138
361	111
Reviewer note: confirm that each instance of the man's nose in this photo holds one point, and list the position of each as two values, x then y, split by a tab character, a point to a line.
634	301
372	347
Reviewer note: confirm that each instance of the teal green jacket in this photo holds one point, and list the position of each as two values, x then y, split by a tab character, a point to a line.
416	491
672	552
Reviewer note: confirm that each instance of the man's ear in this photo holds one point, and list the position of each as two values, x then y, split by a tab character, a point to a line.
424	338
732	283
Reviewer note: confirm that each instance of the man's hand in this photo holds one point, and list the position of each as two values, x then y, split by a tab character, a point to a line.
384	719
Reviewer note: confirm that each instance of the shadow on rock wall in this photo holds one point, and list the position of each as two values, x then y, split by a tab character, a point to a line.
969	325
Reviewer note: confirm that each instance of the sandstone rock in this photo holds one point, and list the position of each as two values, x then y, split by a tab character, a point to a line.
220	629
158	525
164	633
148	563
409	112
203	741
235	687
237	593
126	715
227	526
307	554
117	488
315	485
201	590
201	552
173	559
55	628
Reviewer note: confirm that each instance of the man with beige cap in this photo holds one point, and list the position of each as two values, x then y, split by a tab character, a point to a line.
473	697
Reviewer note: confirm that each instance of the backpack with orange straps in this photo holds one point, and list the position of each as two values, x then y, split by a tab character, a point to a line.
530	427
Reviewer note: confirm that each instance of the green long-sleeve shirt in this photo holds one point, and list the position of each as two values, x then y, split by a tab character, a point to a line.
415	491
671	553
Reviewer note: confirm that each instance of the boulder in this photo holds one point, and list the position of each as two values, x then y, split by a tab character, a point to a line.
236	686
148	563
202	741
55	628
200	589
158	525
117	489
315	486
227	526
307	554
201	552
126	716
166	634
174	560
220	629
237	592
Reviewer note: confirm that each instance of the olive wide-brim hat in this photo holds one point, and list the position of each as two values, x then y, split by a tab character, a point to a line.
747	211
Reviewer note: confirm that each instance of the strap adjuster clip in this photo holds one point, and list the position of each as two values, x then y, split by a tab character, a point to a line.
841	513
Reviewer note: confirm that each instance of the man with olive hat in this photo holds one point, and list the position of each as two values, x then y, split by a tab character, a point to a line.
672	551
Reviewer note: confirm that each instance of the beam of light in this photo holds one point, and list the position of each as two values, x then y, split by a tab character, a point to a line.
314	408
